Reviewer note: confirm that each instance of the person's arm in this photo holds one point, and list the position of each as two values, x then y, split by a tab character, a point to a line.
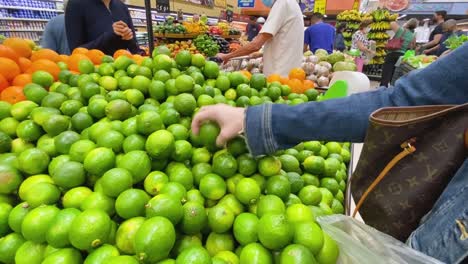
133	45
362	47
431	50
76	32
270	127
255	45
434	42
48	40
394	26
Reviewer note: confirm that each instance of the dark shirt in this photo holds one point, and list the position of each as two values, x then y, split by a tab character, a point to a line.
89	25
442	47
320	36
252	31
437	30
339	42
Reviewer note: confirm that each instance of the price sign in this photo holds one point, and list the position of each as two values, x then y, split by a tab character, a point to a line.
162	6
246	3
320	6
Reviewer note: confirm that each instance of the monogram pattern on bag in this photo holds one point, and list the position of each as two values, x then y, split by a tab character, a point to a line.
413	185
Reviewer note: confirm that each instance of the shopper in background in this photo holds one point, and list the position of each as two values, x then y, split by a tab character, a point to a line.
55	35
252	28
271	127
320	35
339	38
282	35
436	34
361	42
407	35
261	22
449	28
100	24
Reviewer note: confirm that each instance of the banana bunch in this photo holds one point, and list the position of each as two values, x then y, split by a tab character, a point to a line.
347	35
380	26
224	27
367	17
349	15
380	53
377	60
353	26
378	36
383	15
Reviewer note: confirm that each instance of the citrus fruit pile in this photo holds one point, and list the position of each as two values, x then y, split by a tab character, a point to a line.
101	167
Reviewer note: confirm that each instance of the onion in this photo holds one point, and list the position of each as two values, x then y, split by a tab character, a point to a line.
321	71
323	81
314	59
255	70
312	78
326	64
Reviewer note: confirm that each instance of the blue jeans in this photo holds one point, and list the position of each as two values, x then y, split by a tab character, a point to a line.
443	233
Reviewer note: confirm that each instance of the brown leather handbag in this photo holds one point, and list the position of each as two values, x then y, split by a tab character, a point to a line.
396	43
409	156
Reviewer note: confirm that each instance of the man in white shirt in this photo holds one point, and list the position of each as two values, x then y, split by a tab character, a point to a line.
282	35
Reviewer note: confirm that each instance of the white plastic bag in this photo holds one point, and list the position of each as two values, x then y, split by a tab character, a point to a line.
362	244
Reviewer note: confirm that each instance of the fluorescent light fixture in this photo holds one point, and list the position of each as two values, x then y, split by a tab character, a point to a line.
402	16
325	16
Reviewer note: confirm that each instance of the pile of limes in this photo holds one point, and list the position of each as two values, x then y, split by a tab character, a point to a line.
102	167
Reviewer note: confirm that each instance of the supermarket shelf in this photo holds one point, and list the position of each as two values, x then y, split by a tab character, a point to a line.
139	25
31	8
21	30
24	19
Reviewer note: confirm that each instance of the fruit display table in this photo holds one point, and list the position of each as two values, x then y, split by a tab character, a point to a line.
99	164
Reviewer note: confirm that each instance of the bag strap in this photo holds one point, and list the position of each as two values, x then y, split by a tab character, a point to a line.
408	149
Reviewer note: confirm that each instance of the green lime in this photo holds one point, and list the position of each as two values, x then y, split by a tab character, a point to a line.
297	254
279	185
170	116
86	66
212	186
81	121
182	150
247	191
224	164
194	255
154	239
137	163
184	58
269	166
174	189
220	218
30	182
99	160
310	179
98	201
57	234
97	108
160	144
129	126
71	107
289	163
31	161
133	142
90	229
184	84
16	216
64	141
237	146
111	139
292	199
131	203
9	244
310	195
29	131
199	170
330	184
337	207
329	252
201	155
74	198
149	122
102	253
223	83
19	145
115	181
297	183
331	166
43	78
162	62
185	104
117	109
255	253
208	133
270	204
8	125
37	222
141	83
34	92
314	165
42	193
194	218
5	210
5	142
216	243
122	63
56	124
166	206
245	228
64	255
154	182
30	252
126	233
198	60
157	90
274	231
297	213
80	149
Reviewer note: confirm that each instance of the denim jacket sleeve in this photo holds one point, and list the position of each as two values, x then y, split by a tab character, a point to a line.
270	127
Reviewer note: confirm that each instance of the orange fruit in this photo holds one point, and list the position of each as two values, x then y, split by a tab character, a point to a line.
24	64
284	80
64	58
296	86
7	52
308	84
20	46
95	56
122	52
45	65
247	74
22	80
274	78
13	94
46	54
9	69
138	58
74	61
3	83
80	50
297	73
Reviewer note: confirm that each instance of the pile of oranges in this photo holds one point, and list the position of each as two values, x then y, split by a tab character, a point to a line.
296	80
18	62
